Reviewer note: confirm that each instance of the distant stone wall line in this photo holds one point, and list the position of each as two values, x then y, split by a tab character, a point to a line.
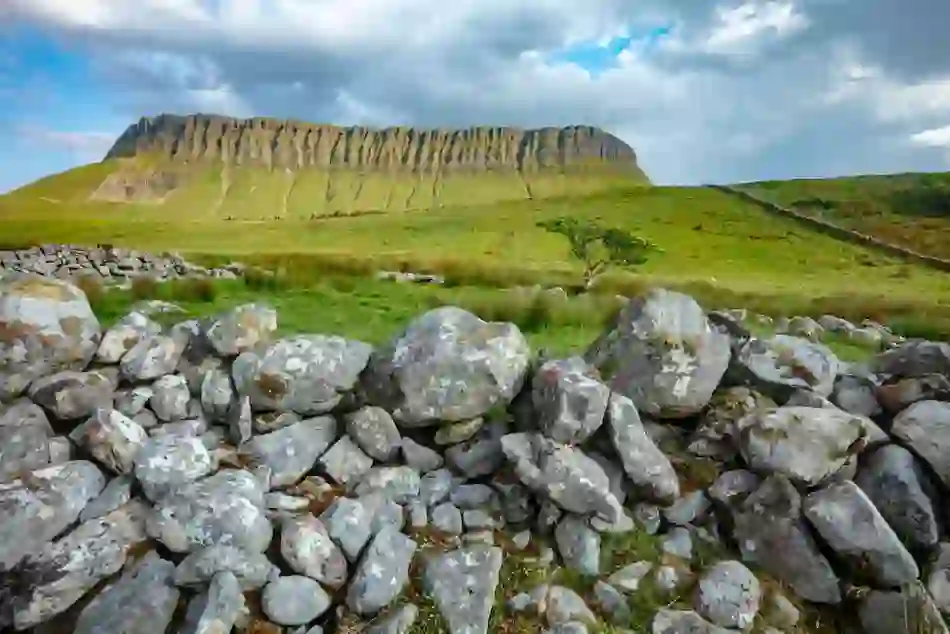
837	231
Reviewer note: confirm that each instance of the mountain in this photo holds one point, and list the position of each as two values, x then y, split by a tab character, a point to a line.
215	165
273	143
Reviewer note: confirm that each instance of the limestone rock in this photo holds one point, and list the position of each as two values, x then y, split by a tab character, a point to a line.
306	374
663	353
47	325
462	584
850	524
925	428
447	366
569	400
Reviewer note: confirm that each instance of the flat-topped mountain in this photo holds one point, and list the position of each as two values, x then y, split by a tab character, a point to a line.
290	144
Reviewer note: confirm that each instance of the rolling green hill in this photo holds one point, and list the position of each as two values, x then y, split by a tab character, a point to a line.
224	190
909	210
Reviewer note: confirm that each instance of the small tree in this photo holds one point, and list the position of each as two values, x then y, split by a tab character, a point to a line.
598	247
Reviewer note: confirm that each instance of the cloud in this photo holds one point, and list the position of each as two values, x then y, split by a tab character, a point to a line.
935	137
704	91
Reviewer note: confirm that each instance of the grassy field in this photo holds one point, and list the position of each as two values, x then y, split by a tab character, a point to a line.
374	310
911	210
725	252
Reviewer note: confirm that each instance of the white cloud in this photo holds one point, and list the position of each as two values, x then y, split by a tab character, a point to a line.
692	113
934	137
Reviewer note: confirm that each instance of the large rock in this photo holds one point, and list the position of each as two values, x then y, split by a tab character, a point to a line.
253	570
290	452
772	535
307	374
914	359
729	595
46	326
215	610
570	401
448	365
462	583
663	353
294	600
164	463
848	522
141	601
69	395
925	428
647	467
307	548
782	364
38	506
25	435
806	444
382	572
901	491
151	358
242	328
65	570
124	334
562	473
111	438
226	508
909	611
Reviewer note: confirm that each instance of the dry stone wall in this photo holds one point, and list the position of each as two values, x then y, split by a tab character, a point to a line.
108	263
838	231
213	477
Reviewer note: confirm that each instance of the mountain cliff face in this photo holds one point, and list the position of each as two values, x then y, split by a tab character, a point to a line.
276	144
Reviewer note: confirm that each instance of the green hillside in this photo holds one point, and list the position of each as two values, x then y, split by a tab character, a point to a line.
910	210
729	252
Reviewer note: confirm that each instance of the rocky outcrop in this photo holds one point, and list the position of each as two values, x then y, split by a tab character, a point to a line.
216	477
277	144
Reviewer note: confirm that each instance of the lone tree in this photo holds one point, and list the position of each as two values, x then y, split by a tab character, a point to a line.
599	247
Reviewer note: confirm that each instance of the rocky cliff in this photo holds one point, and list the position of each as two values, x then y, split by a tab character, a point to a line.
274	143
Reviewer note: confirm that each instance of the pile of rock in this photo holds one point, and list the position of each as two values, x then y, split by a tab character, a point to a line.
108	263
869	333
212	477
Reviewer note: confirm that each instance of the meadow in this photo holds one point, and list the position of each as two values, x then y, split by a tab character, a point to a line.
723	251
910	210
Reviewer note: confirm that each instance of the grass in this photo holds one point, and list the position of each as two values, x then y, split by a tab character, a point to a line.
911	210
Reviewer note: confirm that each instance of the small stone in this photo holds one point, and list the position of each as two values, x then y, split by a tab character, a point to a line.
447	518
375	432
729	595
419	457
294	600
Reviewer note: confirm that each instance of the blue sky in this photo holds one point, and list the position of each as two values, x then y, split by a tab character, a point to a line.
704	90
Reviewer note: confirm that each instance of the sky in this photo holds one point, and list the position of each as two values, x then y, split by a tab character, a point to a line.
705	91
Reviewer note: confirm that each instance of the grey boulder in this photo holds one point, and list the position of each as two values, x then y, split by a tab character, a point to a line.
447	366
142	601
49	327
850	524
462	583
306	374
663	353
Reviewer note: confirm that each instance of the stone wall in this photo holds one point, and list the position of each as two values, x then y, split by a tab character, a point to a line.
837	231
111	264
212	476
